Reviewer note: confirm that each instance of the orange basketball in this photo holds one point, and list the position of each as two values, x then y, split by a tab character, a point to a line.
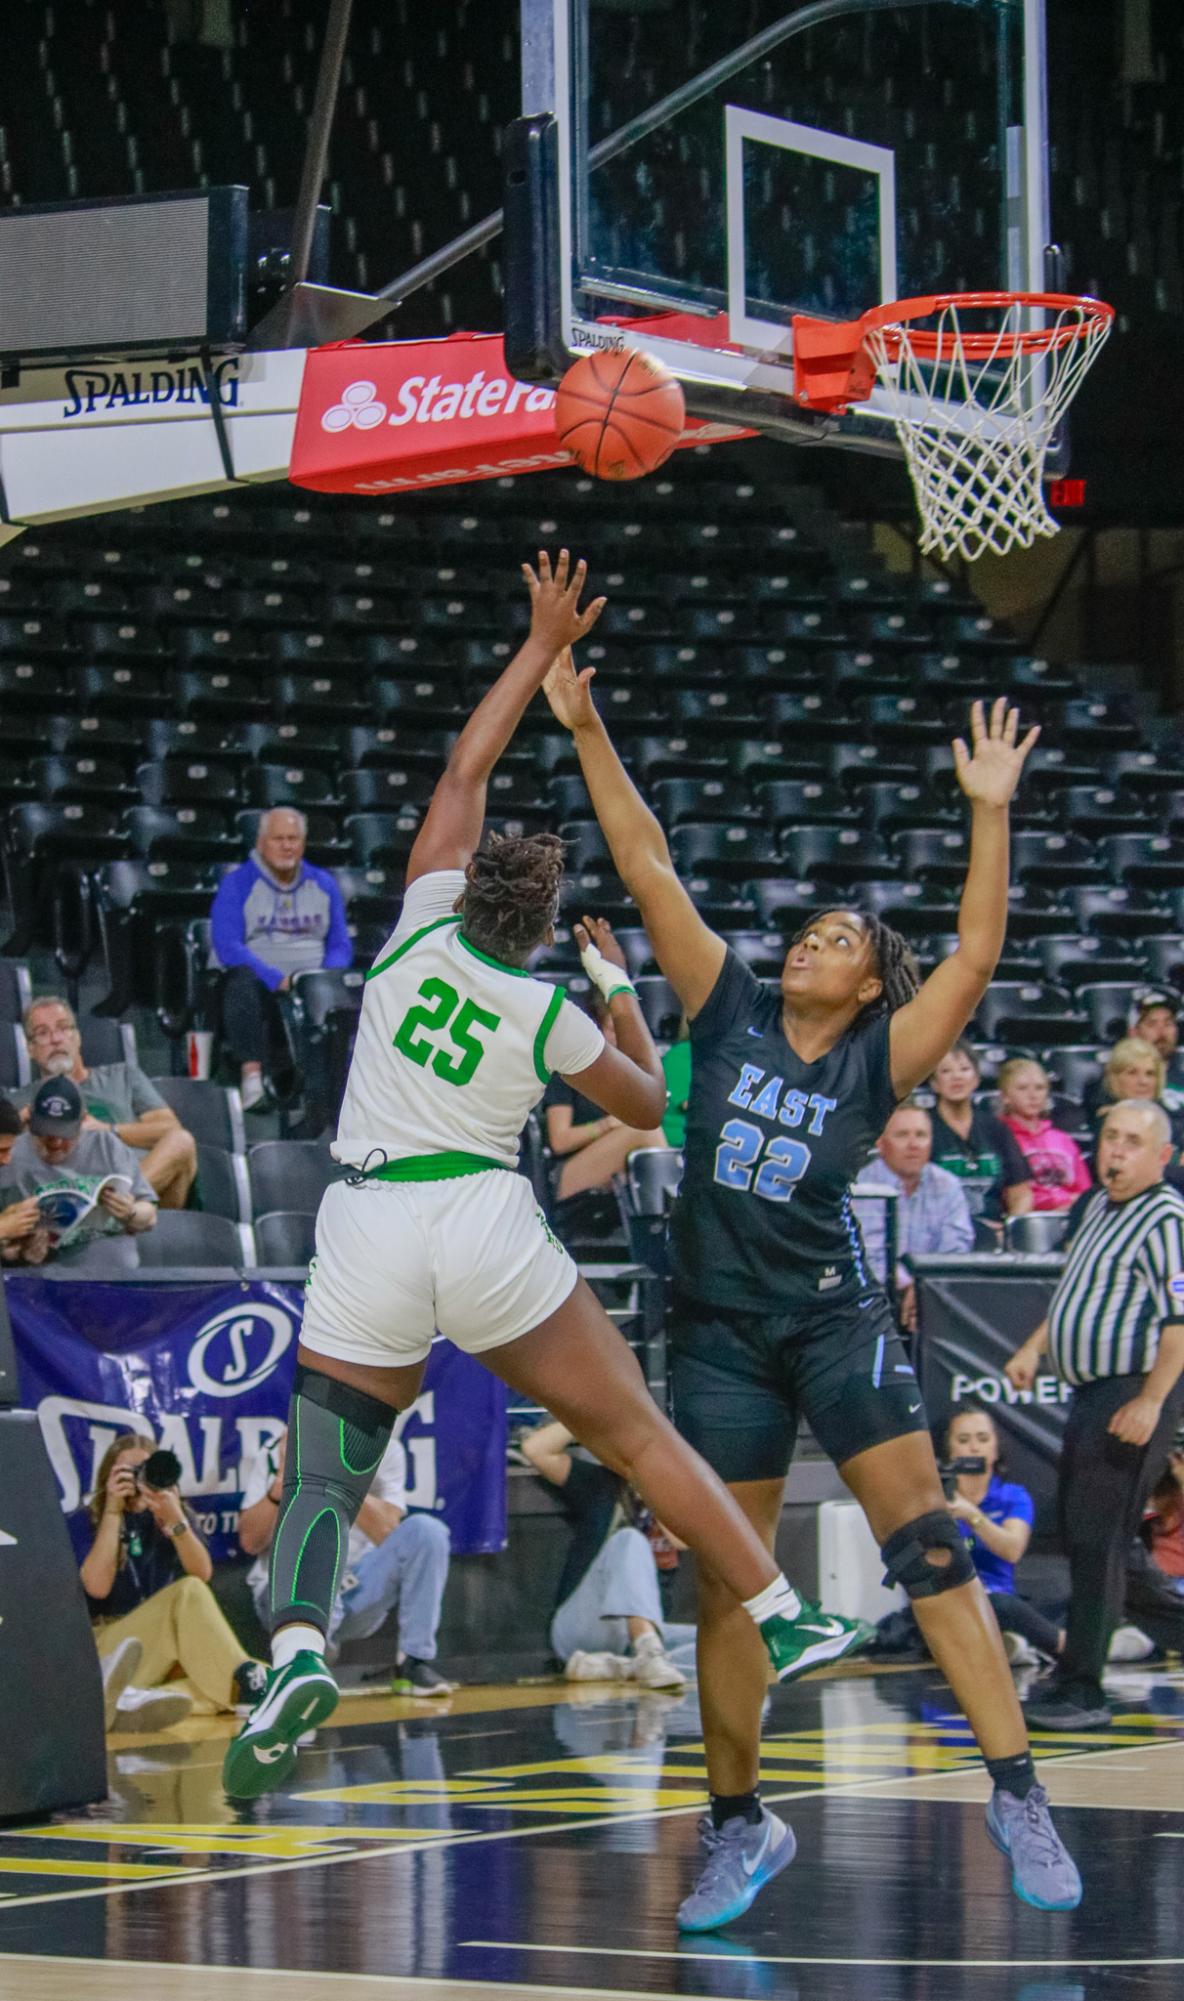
619	413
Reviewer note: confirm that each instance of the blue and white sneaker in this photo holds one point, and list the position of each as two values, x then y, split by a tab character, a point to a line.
742	1856
263	1755
1043	1872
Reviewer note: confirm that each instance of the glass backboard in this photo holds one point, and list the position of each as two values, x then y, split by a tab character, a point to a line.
737	163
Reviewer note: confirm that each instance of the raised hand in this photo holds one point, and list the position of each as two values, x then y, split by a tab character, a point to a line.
989	775
569	692
555	618
599	932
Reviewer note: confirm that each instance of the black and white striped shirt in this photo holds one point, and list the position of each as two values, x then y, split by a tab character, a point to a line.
1123	1282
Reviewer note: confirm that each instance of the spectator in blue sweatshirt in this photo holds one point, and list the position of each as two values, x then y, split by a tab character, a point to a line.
274	916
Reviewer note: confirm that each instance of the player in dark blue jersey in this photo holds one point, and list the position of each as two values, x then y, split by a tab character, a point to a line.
776	1313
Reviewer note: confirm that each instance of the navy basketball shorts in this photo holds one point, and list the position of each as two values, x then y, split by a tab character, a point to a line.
741	1382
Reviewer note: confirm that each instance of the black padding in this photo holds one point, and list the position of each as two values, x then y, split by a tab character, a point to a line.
53	1753
906	1558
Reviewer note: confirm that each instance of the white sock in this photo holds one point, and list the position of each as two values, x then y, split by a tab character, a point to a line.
296	1639
251	1089
778	1600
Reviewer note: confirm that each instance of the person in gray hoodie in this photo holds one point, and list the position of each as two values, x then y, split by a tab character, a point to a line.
273	916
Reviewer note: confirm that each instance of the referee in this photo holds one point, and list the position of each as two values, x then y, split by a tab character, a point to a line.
1115	1329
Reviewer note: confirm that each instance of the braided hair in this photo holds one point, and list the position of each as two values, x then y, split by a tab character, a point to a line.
893	957
511	896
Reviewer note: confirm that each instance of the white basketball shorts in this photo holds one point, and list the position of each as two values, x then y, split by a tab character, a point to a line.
395	1260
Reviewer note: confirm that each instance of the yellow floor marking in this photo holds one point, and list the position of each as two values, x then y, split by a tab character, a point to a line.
274	1843
47	1865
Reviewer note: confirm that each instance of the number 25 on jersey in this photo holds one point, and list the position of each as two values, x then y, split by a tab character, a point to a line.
426	1032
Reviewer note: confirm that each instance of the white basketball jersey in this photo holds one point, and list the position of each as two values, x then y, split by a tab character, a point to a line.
454	1048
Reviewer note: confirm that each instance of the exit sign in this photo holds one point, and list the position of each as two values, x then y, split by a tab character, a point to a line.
1066	493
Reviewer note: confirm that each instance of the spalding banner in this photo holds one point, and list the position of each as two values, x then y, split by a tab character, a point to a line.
396	416
206	1370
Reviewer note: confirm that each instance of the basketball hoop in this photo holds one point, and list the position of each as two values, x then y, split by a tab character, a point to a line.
974	411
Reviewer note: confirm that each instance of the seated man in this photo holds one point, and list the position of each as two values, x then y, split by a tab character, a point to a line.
56	1157
395	1559
273	916
932	1217
607	1624
588	1146
118	1098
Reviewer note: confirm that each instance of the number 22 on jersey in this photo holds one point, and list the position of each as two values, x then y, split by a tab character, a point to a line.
785	1161
443	1019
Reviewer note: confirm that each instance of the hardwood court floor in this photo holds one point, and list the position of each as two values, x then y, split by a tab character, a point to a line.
534	1842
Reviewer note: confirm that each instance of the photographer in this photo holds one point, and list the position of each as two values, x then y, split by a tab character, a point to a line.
995	1516
147	1579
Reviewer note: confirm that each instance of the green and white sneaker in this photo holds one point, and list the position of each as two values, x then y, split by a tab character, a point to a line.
296	1699
811	1640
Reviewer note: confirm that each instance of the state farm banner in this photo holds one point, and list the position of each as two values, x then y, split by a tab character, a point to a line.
206	1369
394	416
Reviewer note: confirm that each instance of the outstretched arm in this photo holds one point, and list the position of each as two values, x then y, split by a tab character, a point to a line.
453	822
689	953
923	1031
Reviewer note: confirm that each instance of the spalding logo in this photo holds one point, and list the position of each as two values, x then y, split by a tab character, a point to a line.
238	1349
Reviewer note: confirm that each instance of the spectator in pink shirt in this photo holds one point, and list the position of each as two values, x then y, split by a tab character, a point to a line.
1059	1170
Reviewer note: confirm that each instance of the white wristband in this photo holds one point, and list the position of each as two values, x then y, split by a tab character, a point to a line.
605	977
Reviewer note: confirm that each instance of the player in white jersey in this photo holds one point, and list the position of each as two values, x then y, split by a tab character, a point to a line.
432	1229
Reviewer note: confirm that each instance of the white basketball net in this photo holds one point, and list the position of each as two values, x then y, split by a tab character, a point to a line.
979	483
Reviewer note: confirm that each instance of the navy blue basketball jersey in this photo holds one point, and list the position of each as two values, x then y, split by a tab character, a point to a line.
763	1220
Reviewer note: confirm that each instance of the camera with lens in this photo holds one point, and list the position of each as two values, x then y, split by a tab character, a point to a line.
953	1469
161	1469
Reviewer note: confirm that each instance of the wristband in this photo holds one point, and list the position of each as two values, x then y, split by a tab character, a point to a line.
605	977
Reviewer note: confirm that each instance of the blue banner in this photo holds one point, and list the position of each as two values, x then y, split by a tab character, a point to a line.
206	1370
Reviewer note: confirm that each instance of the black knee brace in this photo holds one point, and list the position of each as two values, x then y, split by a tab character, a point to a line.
907	1561
336	1440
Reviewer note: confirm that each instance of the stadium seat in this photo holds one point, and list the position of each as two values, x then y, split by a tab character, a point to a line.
660	1005
135	901
189	781
676	800
222	1185
1029	1013
652	1176
289	1174
1107	1006
211	1113
107	1041
191	1238
1073	961
1095	811
932	854
1040	1233
1061	861
793	802
380	840
730	851
101	780
184	834
1163	957
388	788
285	1237
324	1011
1074	1069
840	855
1145	861
1109	910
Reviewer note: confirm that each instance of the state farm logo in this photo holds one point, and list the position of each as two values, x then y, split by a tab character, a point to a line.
359	409
428	399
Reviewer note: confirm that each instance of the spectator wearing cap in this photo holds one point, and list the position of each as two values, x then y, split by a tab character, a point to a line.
19	1219
273	916
1055	1161
1155	1017
59	1156
117	1098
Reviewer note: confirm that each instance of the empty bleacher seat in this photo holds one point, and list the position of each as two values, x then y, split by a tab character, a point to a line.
211	1113
289	1174
285	1237
222	1185
189	1237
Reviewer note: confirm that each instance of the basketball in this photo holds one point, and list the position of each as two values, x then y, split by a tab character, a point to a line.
619	413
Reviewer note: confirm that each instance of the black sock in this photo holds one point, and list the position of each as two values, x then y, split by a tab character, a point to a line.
730	1806
1016	1775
